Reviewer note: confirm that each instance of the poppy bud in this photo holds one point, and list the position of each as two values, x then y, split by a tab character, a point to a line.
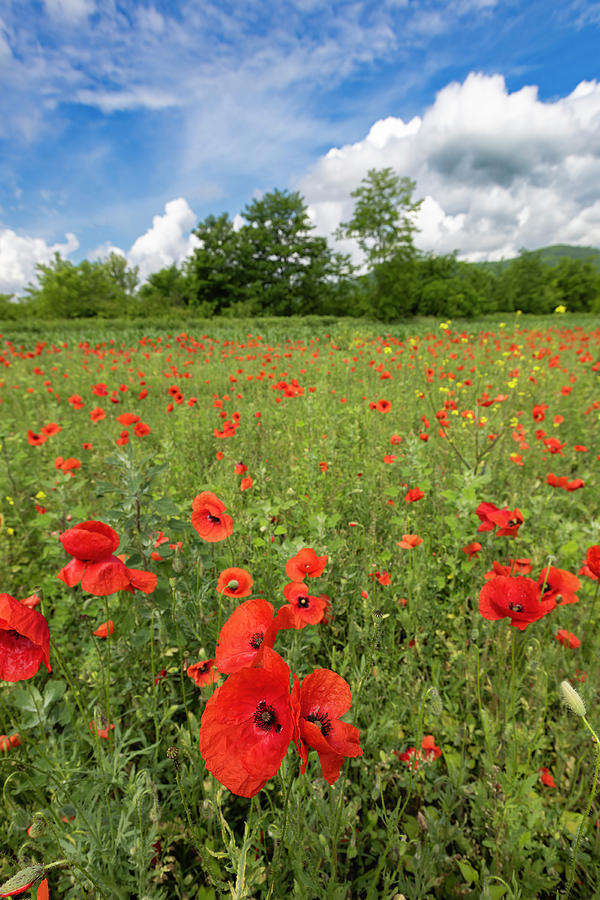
436	702
572	698
37	827
23	880
177	564
233	585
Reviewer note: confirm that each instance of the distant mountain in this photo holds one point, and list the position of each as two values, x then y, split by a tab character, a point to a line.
553	254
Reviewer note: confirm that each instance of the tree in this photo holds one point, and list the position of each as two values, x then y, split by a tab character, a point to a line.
272	264
526	284
163	291
290	270
382	222
577	284
214	273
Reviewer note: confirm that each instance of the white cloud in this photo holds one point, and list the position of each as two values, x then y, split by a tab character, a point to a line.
497	170
103	251
72	10
167	242
20	254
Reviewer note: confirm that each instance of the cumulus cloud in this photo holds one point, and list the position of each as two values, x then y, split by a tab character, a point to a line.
167	242
20	254
497	170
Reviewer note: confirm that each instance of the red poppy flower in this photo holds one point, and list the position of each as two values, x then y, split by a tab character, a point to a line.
203	673
383	406
507	522
517	598
76	401
97	414
105	629
246	483
8	742
240	468
162	673
307	610
318	703
36	439
410	541
428	752
247	726
383	578
413	495
141	429
67	465
24	640
92	544
103	732
546	778
559	583
208	517
31	601
244	632
305	564
472	549
567	639
554	445
235	583
592	559
51	429
514	567
128	419
429	749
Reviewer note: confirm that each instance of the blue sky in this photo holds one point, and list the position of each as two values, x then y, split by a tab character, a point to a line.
123	124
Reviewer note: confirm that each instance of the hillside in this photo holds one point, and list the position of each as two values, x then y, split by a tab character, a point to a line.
552	254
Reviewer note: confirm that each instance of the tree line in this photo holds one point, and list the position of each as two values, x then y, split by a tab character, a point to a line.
275	265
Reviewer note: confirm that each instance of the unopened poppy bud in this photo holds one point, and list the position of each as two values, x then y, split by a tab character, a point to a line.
572	698
37	827
233	585
177	564
23	880
173	754
436	702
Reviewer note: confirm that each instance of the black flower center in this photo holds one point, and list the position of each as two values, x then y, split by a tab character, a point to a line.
256	640
265	717
214	520
303	602
321	719
515	607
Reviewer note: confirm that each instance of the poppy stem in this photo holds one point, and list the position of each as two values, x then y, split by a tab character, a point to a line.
286	788
587	811
593	607
38	711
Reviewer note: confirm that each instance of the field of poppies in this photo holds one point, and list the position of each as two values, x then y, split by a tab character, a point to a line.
300	608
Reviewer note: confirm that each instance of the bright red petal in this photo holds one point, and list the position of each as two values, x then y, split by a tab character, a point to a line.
90	540
105	577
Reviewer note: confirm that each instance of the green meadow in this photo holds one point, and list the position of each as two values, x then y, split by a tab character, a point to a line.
452	623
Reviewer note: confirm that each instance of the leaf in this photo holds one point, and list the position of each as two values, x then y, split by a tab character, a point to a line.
467	871
54	691
571	821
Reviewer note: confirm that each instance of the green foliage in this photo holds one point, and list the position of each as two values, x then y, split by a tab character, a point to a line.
68	291
382	222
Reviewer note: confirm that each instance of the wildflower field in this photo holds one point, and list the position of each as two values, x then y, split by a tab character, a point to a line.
300	609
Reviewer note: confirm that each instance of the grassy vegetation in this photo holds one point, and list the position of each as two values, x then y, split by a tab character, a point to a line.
475	779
